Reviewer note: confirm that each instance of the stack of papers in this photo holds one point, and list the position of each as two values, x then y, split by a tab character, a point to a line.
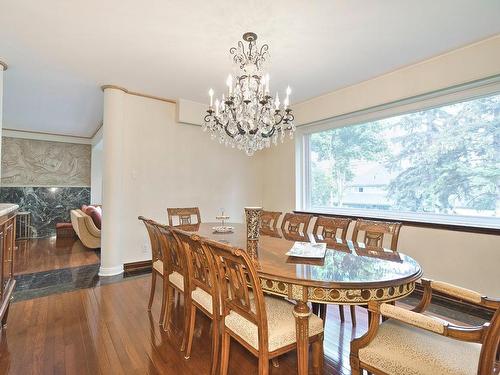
307	250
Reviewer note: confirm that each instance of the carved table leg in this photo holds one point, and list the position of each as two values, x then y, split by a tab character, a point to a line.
302	313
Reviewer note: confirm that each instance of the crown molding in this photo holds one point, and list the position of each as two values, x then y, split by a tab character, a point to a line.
116	87
43	136
4	64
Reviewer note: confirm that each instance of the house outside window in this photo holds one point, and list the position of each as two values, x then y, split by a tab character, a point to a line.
440	164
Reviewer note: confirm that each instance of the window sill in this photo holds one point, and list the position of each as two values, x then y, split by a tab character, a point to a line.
473	225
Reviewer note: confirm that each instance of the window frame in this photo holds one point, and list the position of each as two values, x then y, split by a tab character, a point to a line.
455	94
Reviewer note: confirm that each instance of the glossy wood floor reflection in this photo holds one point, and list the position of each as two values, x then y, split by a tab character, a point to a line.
107	330
44	254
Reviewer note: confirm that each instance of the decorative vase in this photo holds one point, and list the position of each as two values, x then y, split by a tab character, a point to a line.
253	222
253	248
253	252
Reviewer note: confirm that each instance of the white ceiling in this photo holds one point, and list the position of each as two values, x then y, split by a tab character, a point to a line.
60	52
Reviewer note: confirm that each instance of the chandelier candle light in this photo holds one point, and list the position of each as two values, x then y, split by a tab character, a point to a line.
249	118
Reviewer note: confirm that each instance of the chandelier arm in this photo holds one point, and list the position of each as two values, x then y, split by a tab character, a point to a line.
253	131
289	117
261	56
207	117
269	134
228	132
280	118
240	129
225	127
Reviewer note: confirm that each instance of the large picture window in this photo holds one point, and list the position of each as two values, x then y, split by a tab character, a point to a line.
442	162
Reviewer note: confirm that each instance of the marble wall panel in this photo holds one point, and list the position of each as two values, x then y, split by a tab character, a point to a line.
29	162
47	205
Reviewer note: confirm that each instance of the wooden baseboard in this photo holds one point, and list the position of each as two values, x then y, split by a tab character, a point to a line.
454	304
138	267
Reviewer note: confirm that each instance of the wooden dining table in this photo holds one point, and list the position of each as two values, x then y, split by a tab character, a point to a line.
349	274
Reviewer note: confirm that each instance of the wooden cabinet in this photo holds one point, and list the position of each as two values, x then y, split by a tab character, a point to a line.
7	243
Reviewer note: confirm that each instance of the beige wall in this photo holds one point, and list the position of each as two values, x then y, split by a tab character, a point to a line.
168	164
467	64
470	260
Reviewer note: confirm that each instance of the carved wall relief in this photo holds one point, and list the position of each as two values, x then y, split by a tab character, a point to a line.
28	162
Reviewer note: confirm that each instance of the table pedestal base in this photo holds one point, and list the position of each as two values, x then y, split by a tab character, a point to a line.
302	312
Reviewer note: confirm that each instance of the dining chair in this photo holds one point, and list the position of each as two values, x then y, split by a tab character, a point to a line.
183	216
175	267
269	220
373	232
265	326
296	223
203	289
327	228
410	342
157	261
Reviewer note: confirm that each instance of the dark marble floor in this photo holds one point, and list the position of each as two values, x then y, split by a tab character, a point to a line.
39	284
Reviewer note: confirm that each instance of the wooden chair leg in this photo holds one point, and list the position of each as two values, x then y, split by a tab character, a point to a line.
315	308
353	314
263	363
341	312
152	292
190	332
322	312
5	317
215	344
224	358
163	302
187	319
177	298
355	369
317	356
168	307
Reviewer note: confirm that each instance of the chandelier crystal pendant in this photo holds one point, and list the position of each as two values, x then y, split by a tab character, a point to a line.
249	118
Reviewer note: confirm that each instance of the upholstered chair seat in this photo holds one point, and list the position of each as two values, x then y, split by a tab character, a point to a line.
158	265
399	348
177	279
281	325
203	298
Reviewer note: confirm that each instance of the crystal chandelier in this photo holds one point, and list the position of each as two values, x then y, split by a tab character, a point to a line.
249	118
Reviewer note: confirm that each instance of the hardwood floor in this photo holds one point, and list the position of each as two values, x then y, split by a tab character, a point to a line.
44	254
107	330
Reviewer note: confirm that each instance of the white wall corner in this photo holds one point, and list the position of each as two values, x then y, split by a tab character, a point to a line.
189	112
97	137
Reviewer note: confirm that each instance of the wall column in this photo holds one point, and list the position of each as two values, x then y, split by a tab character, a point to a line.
112	172
3	68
